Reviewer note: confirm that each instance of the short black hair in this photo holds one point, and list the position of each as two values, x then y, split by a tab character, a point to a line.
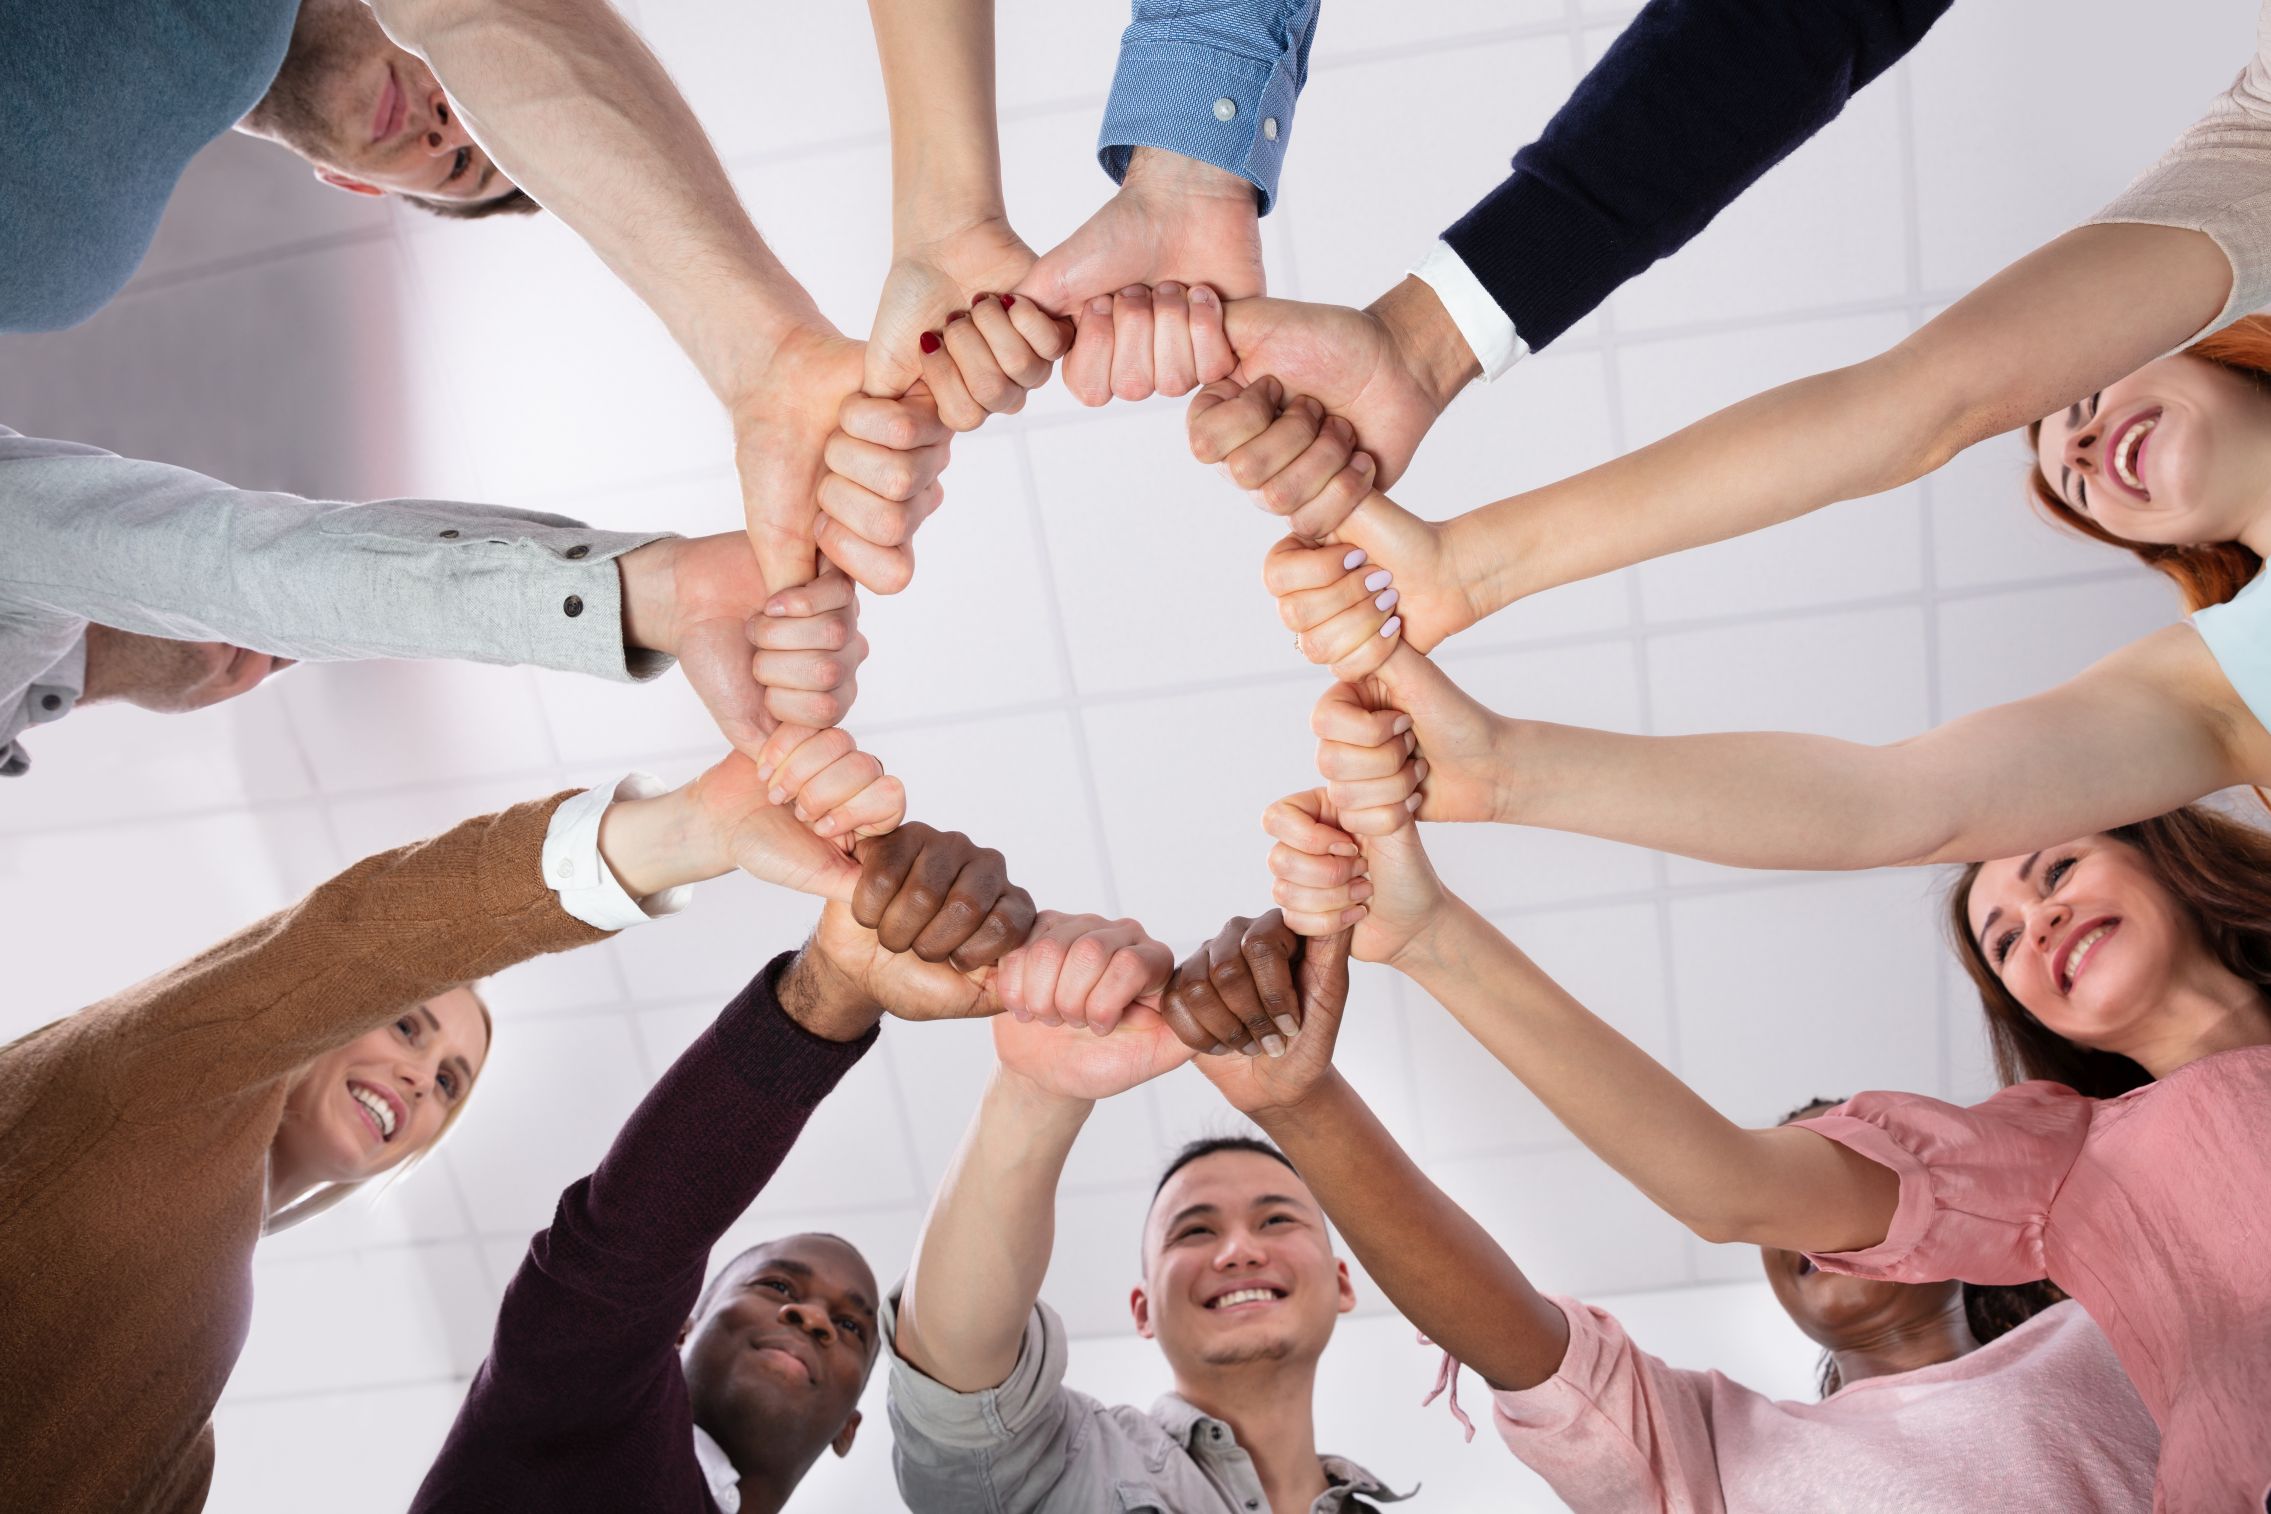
1208	1145
710	1288
514	202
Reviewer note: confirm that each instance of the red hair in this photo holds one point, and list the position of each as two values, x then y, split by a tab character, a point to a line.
2209	573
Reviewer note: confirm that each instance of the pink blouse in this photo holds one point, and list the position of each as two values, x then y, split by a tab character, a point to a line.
2153	1210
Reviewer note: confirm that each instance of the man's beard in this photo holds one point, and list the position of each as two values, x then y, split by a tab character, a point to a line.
329	37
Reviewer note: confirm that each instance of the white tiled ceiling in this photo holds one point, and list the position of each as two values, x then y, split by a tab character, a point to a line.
1086	673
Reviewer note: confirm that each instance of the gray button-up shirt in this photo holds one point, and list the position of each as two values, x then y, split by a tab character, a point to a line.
87	535
1035	1446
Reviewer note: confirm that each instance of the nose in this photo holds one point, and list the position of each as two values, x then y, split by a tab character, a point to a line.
446	133
813	1322
412	1081
2082	448
1238	1250
2043	924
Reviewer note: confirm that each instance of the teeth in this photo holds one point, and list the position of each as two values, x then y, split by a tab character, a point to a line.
2074	956
2125	452
1244	1296
380	1109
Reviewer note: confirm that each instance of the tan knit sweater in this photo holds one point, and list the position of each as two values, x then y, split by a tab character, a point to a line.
134	1144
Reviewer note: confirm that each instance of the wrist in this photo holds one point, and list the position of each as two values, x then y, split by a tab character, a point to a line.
1437	943
1031	1105
938	213
1314	1111
751	360
824	999
661	843
650	609
1161	170
1426	339
1513	789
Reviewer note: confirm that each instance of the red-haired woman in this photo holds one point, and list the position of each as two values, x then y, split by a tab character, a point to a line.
2170	455
2127	978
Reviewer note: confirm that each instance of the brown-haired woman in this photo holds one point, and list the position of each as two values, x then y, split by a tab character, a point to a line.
148	1141
2135	963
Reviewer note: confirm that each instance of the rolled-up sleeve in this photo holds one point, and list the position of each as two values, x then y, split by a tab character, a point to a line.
1976	1184
1002	1448
1214	80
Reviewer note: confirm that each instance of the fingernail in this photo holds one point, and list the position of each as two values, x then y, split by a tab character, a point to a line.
1167	286
1403	724
959	315
930	341
1008	300
1217	1049
1201	295
1378	580
1101	305
779	607
1345	849
1395	624
1273	1045
1286	1023
1355	558
776	793
798	810
1386	601
1412	803
1363	461
1359	891
827	824
765	771
1352	916
1420	771
1250	1049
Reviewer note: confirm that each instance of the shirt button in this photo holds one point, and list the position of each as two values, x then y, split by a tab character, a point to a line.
565	870
1269	127
573	605
579	550
449	536
51	702
1225	109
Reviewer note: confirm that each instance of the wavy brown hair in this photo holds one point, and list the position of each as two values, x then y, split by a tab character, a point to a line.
2218	870
2208	573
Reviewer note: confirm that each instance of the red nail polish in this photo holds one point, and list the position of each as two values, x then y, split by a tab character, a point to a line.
1008	300
930	341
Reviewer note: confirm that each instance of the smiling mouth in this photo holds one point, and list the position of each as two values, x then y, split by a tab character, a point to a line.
377	1108
2078	954
1246	1298
2123	454
393	106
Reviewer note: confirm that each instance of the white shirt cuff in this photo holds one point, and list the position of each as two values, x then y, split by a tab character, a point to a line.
1489	333
587	886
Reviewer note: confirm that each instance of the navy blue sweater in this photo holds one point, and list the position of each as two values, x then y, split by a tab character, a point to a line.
1683	113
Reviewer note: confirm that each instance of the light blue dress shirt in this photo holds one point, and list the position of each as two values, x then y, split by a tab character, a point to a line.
1214	80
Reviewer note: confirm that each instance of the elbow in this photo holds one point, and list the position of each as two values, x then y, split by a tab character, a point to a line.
1720	1229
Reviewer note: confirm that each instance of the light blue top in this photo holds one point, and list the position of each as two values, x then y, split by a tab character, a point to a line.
1213	80
102	105
2238	633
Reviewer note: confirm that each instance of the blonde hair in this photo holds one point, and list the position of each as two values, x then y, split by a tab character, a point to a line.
330	1195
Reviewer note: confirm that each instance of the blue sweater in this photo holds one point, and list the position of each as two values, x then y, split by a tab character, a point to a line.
102	105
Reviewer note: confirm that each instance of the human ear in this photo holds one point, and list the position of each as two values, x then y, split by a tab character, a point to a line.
842	1444
353	186
1140	1307
1348	1289
684	1331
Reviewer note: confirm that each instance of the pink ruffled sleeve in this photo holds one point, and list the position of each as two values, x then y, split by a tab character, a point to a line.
1975	1184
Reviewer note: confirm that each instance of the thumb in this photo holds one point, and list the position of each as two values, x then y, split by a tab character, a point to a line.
1069	275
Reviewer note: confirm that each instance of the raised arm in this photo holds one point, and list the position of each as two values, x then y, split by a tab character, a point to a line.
985	1245
1439	1268
2151	727
1783	1187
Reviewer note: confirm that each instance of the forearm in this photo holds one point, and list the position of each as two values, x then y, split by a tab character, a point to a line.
986	1243
575	109
162	551
1439	1268
1720	1180
938	74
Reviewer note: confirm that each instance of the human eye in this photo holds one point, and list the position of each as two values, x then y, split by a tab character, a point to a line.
448	1082
2003	945
851	1327
1189	1231
2055	873
408	1025
458	165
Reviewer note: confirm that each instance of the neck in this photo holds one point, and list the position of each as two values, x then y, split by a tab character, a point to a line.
767	1492
2223	1013
1269	1407
1908	1344
765	1484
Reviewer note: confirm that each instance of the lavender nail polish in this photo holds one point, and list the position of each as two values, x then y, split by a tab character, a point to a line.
1395	624
1354	559
1386	601
1378	581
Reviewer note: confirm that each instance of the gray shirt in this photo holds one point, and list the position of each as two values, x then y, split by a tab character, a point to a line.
1035	1446
87	535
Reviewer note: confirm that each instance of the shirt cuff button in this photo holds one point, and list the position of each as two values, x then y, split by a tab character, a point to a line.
1269	127
1225	109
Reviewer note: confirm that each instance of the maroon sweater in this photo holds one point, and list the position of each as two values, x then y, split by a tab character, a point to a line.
581	1404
